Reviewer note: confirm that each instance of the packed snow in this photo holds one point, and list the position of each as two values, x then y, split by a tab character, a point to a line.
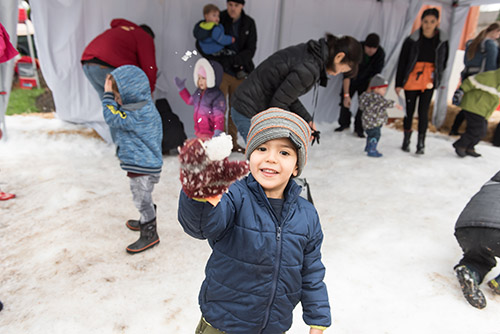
388	222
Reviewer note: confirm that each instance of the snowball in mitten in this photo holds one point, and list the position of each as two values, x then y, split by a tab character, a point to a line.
205	169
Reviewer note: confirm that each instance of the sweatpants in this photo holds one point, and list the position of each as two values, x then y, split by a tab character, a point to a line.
142	189
424	101
480	246
477	126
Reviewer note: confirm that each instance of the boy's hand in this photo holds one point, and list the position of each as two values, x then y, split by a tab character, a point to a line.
203	175
108	87
315	331
398	106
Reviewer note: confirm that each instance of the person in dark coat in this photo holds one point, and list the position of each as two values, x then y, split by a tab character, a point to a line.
289	73
421	64
478	232
236	58
372	64
266	239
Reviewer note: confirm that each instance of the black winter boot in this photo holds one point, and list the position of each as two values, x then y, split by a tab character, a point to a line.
1	306
470	288
134	224
149	238
420	143
406	141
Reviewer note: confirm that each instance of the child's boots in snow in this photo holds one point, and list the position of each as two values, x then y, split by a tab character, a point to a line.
134	224
470	288
149	238
372	148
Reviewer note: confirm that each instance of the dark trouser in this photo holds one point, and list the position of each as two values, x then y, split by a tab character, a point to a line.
424	101
480	246
459	119
228	86
373	133
476	129
345	113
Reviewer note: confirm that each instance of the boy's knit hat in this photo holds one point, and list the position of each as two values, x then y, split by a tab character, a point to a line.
275	123
378	81
238	1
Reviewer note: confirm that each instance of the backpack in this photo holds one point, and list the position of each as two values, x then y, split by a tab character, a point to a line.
471	70
173	129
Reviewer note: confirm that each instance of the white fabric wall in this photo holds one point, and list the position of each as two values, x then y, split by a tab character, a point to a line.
64	27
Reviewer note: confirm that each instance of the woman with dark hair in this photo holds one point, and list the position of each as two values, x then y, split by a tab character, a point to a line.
289	73
421	64
481	55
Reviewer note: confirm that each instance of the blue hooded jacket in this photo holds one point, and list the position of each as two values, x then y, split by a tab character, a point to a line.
137	122
261	265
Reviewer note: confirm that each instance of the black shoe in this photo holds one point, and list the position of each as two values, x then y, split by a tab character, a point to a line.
460	151
469	287
360	134
406	141
149	238
340	128
472	153
1	306
454	133
134	224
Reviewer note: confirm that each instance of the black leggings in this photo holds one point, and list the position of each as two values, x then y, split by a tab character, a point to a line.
423	108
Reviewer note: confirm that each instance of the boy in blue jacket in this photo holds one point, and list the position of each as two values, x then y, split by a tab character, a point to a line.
129	110
266	239
210	36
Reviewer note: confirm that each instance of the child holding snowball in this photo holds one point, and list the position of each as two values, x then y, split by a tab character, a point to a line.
266	239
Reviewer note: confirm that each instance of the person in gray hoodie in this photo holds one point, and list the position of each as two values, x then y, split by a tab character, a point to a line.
478	232
129	110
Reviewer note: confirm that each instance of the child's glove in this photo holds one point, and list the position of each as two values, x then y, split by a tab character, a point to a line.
205	170
181	84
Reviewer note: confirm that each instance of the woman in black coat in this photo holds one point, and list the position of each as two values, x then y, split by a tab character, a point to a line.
289	73
422	62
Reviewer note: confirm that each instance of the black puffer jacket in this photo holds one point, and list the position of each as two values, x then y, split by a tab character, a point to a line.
368	69
409	55
282	78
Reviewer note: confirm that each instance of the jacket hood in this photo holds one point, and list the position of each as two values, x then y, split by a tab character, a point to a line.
133	84
212	69
122	22
200	33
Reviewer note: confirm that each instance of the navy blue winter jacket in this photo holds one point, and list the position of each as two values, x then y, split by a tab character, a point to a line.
261	265
136	123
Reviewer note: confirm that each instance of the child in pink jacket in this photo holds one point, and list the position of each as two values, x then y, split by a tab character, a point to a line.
208	100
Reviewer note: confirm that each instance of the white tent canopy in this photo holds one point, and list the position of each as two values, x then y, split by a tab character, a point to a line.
64	27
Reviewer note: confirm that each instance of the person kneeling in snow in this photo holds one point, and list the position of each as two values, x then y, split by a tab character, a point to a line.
266	239
129	109
478	232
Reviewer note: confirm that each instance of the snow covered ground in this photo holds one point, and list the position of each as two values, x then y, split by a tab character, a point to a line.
389	247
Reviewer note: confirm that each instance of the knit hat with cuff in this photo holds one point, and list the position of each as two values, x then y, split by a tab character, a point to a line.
378	81
238	1
275	123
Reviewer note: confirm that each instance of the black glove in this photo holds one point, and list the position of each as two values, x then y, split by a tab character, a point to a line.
315	135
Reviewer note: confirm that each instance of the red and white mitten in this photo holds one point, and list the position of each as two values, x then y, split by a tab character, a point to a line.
206	171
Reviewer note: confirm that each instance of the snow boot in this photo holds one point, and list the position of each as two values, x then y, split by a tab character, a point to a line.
372	148
470	288
420	143
406	141
460	151
472	152
1	306
149	238
134	224
495	285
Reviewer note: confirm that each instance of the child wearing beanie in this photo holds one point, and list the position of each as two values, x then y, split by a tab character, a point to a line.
374	107
266	239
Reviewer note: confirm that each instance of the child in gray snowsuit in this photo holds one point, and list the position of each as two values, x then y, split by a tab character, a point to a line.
478	232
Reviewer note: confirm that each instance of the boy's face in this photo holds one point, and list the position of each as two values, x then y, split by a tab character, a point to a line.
212	16
272	164
380	90
202	82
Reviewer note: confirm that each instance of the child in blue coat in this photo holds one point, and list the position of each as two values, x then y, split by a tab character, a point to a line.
266	239
210	36
130	112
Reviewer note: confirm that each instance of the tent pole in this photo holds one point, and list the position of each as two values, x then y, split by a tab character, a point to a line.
32	53
280	24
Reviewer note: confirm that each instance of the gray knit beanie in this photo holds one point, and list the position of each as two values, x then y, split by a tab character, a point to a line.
275	123
378	81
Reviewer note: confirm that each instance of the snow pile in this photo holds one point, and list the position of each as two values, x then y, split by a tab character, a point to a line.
389	247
